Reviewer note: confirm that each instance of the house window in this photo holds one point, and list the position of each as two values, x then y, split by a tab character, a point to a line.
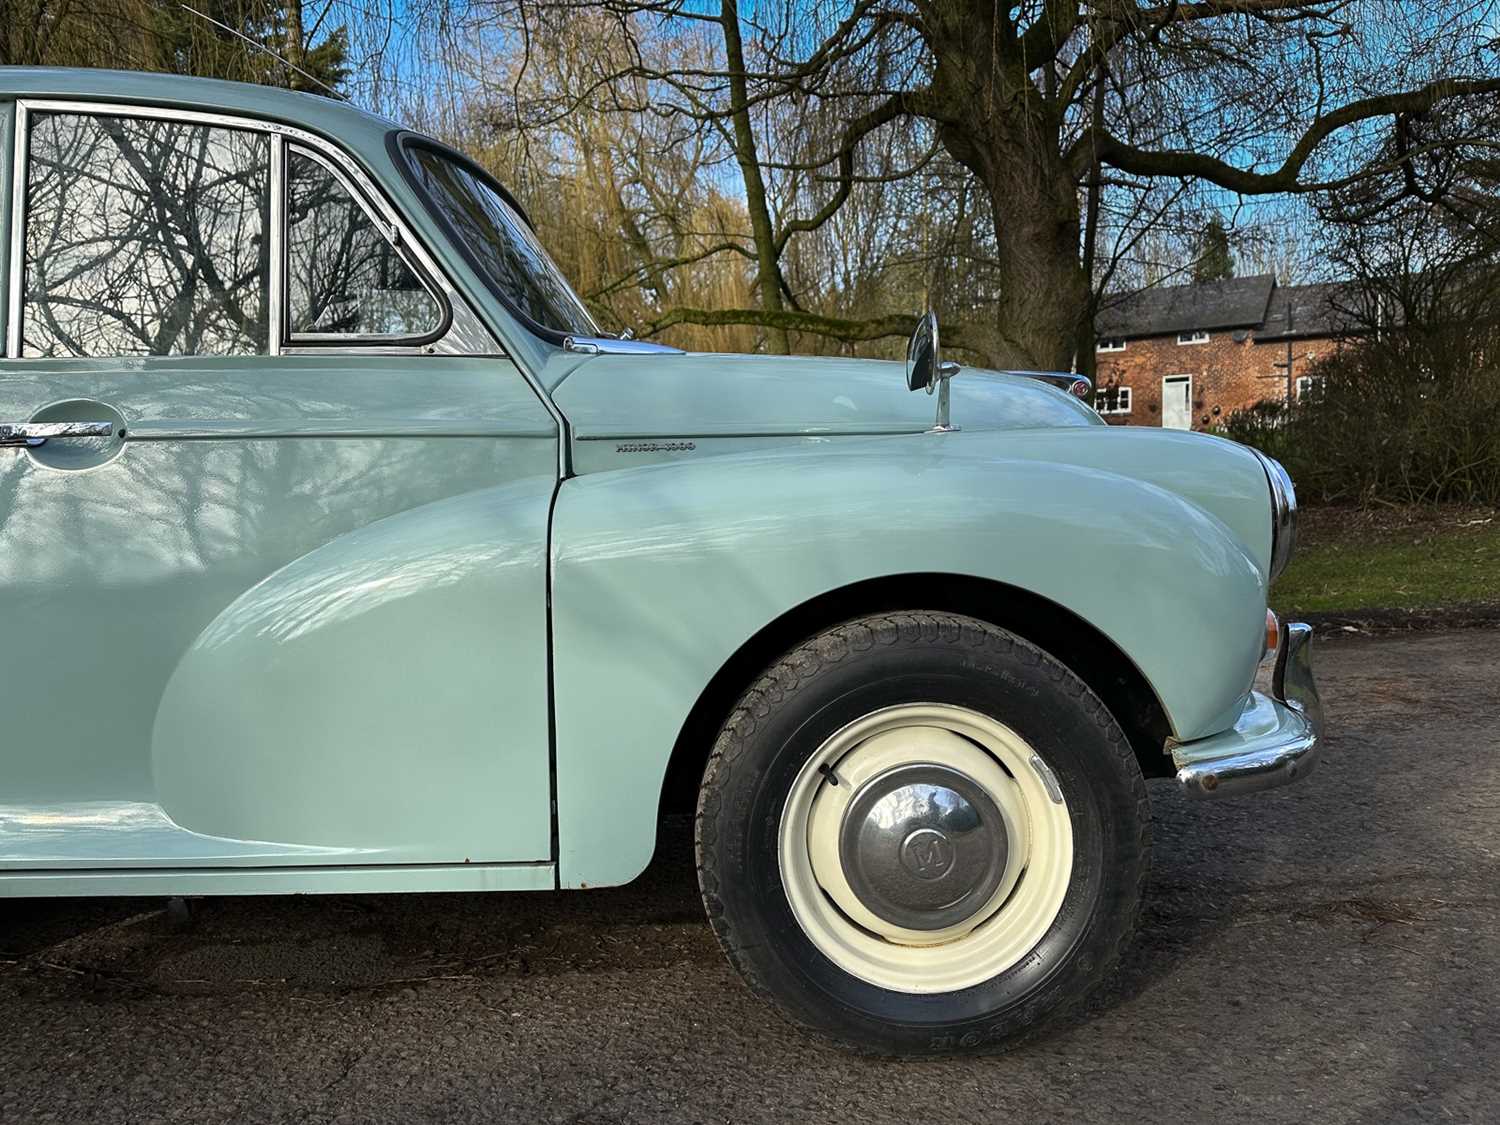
1194	337
1110	344
1309	386
1112	400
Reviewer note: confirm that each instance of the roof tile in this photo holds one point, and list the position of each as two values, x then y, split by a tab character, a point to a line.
1237	302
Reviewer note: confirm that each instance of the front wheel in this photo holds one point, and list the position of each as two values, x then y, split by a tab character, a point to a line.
920	834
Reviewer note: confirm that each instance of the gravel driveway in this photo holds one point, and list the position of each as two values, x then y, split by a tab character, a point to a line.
1327	953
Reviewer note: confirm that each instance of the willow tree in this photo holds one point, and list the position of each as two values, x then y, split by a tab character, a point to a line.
271	42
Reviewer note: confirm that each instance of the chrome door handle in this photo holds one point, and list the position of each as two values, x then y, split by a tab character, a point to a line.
32	434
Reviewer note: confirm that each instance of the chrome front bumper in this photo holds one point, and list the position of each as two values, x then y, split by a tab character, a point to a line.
1276	739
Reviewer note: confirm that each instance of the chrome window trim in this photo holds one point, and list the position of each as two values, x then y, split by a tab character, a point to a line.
276	242
16	269
472	336
7	141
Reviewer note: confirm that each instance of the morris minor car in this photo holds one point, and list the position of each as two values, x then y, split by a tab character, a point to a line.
341	551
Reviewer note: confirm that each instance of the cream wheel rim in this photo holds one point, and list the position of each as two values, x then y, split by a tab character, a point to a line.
925	848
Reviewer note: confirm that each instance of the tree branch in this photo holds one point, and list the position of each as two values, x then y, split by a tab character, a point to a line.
1178	162
1116	22
1041	42
837	328
655	267
854	132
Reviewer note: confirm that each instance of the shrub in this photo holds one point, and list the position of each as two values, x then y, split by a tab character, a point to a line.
1408	418
1262	426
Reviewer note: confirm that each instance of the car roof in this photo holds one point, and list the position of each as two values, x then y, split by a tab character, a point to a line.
363	132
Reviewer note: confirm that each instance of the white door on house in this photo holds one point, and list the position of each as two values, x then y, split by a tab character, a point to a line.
1177	402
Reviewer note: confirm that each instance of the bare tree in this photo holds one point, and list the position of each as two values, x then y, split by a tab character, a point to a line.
1063	112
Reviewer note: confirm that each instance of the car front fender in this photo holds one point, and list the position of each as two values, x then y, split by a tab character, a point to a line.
661	573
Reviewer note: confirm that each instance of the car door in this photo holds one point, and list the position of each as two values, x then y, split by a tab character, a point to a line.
273	516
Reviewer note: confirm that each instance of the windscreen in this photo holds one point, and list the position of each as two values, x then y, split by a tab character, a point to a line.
503	246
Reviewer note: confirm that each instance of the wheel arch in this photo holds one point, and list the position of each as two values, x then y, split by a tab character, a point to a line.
1054	628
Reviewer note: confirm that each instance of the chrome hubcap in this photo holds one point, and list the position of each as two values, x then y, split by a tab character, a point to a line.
923	846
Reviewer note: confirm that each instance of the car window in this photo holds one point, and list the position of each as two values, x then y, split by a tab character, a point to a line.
504	247
144	237
344	276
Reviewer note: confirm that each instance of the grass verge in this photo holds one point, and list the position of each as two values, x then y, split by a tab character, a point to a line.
1393	563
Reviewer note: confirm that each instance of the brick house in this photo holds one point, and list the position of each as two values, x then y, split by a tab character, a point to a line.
1188	356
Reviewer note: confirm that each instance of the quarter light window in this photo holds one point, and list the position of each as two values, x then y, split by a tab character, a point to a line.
144	237
1112	400
344	276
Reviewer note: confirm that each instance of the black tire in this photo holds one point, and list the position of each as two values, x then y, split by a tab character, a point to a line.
910	657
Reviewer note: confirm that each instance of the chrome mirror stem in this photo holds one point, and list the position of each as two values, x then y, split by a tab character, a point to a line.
943	425
945	372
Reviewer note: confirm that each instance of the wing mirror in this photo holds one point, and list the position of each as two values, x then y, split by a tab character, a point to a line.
926	370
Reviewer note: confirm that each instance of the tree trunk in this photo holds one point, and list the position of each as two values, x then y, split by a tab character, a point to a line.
1086	356
1041	320
768	269
293	49
1043	310
995	121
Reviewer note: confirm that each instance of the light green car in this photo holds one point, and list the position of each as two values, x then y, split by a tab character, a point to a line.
341	552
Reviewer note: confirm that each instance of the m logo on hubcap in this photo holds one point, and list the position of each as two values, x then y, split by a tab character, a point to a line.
927	854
